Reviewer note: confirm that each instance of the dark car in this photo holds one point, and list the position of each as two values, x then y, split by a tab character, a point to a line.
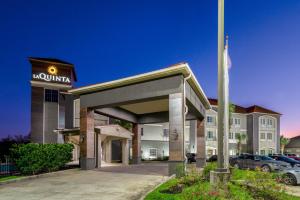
249	161
288	160
191	157
293	156
213	158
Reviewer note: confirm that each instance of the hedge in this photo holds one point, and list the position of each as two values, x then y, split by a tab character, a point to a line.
36	158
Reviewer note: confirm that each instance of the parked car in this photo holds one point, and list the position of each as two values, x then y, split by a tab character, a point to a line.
291	176
293	156
287	159
191	157
249	161
213	158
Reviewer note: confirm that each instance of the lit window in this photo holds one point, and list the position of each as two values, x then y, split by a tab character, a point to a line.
51	95
262	136
153	153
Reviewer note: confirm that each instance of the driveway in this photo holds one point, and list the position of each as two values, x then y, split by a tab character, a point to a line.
118	182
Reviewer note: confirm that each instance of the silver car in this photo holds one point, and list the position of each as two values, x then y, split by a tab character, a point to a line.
291	176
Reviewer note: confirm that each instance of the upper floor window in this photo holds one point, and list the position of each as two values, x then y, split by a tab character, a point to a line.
210	119
51	95
231	135
237	121
262	136
210	135
76	113
142	131
269	136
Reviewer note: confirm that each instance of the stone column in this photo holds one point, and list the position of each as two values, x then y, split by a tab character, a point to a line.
176	136
193	136
136	144
201	151
98	150
87	139
108	150
125	151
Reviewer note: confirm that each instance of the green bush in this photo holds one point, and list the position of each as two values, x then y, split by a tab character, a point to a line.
209	167
36	158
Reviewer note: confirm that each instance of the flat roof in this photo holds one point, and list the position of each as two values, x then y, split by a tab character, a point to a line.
180	68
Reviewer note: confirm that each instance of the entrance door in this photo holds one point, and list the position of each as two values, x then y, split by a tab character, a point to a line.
116	150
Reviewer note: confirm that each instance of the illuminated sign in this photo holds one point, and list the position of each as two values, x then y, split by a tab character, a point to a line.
51	76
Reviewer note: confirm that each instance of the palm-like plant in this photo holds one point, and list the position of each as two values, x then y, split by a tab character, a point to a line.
240	137
283	142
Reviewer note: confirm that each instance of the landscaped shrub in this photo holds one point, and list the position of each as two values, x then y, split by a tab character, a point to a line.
36	158
209	167
180	170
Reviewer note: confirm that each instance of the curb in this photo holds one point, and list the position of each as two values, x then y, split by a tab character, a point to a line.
35	176
152	189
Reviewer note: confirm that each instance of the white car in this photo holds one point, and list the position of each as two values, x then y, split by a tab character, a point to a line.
291	176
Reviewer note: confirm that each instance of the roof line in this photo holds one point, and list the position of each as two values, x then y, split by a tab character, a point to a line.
180	68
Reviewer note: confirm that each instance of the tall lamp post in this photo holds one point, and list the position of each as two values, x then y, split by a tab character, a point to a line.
221	174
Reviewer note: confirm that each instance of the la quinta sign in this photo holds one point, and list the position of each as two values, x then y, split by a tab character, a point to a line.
51	76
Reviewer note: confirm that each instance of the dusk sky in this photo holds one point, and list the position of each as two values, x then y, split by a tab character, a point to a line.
107	40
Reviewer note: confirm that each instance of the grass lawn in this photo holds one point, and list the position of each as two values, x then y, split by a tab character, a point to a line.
5	178
203	190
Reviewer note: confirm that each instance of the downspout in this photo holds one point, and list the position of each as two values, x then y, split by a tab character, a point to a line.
184	117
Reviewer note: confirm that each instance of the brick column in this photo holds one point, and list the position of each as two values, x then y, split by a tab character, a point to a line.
136	144
201	151
87	139
176	137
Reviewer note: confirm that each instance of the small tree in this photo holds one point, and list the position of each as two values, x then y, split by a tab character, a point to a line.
283	142
240	138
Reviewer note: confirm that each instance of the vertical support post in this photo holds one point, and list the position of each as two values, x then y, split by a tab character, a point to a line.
201	151
125	151
108	150
98	150
193	136
136	144
176	137
87	139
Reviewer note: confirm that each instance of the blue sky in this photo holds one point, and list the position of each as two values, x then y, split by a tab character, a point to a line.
107	40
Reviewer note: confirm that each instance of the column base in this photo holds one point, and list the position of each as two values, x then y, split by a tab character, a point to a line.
219	177
87	163
200	162
136	160
175	167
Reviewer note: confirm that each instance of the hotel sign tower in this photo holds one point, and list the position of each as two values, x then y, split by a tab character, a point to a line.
51	78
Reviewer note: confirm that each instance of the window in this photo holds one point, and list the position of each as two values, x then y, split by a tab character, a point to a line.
51	95
262	121
262	152
142	131
262	136
269	136
231	135
237	121
76	114
210	119
153	153
210	135
270	151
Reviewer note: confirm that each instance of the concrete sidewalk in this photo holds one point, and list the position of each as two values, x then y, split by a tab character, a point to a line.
111	183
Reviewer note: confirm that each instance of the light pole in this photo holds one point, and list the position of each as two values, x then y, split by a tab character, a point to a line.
221	174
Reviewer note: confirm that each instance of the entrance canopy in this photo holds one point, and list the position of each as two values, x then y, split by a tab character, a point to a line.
114	130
